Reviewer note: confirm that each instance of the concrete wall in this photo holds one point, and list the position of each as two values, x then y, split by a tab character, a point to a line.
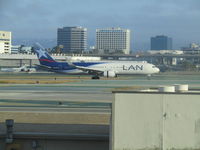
155	121
55	145
55	130
17	63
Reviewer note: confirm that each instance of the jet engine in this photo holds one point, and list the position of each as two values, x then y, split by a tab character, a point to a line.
109	74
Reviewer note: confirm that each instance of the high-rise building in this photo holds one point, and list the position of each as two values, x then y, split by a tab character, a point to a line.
113	40
161	42
72	39
5	42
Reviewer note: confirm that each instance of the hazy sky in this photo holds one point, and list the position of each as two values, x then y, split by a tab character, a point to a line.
179	19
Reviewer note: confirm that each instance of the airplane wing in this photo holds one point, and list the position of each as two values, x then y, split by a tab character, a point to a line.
89	70
43	67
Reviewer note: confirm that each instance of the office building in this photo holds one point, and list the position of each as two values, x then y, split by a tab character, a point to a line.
26	49
161	42
113	40
5	42
72	39
15	49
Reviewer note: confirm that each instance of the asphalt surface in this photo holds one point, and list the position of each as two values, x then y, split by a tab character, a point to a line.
81	91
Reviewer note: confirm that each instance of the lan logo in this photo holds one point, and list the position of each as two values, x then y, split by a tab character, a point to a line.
131	67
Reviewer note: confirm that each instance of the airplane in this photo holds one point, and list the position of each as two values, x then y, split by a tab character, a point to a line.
23	68
97	69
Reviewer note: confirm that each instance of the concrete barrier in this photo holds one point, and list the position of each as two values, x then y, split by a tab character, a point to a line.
153	120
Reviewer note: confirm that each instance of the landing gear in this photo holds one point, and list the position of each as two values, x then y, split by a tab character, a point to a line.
149	76
95	77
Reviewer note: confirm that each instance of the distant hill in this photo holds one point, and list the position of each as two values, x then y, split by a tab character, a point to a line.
47	43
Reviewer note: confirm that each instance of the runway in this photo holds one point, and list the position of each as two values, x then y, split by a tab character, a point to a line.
76	105
80	90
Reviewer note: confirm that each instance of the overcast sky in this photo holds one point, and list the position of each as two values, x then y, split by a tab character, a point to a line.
179	19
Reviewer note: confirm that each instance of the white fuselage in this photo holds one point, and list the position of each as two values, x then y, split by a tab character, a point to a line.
121	67
10	69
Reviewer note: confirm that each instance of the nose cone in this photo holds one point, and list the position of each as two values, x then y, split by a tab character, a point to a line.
157	70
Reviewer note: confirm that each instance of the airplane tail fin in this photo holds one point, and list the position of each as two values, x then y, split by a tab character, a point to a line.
23	67
43	56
